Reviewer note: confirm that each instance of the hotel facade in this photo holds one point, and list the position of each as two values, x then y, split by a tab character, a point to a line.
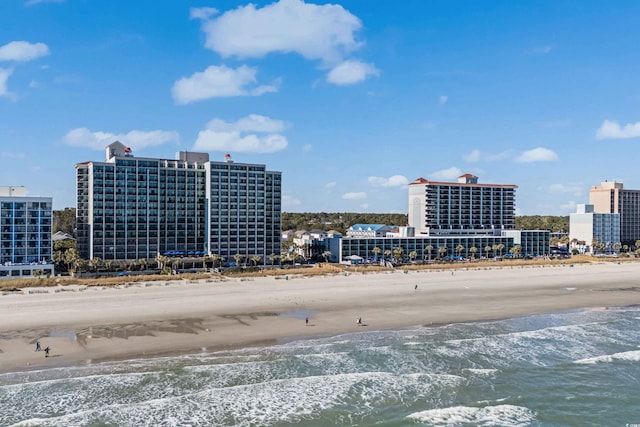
462	219
25	233
610	197
461	208
132	207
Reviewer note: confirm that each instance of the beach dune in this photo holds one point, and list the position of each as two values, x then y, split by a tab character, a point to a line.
88	324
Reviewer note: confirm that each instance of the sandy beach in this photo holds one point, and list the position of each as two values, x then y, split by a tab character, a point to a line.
87	324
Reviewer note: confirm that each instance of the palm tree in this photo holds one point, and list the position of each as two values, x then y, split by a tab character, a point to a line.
256	259
376	251
216	259
95	263
441	251
238	257
272	258
429	248
413	255
37	273
459	249
176	263
487	250
142	262
71	258
500	248
617	246
327	254
387	254
398	254
473	251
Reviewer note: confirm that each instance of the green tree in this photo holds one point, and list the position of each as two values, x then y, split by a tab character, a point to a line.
459	249
398	254
327	254
413	255
256	259
376	252
487	251
64	220
273	257
71	258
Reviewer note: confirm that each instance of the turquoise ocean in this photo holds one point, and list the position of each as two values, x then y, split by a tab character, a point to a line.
578	368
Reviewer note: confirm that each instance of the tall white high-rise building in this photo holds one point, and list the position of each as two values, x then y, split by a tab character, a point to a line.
132	207
461	208
585	226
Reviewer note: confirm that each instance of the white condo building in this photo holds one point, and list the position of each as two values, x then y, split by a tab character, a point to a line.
585	225
25	233
461	208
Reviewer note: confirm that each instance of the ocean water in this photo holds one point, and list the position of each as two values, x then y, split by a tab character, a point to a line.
579	368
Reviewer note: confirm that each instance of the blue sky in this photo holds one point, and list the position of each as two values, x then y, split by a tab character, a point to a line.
351	100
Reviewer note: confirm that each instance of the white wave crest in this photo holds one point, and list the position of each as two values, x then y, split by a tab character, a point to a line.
502	415
633	356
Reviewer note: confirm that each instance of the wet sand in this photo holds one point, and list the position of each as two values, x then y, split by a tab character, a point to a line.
88	324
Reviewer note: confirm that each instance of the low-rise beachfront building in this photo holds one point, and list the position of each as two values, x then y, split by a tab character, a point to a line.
586	227
533	243
25	234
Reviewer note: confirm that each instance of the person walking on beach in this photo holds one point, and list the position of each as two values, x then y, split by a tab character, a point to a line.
306	321
359	321
38	346
415	288
46	351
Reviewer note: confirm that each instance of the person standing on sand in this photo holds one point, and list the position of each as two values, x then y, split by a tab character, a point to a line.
38	346
46	351
306	321
415	288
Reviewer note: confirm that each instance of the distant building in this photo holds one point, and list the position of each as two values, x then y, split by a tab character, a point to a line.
25	233
132	207
586	225
461	208
368	230
611	197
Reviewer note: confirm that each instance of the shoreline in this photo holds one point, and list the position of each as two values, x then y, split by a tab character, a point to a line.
90	325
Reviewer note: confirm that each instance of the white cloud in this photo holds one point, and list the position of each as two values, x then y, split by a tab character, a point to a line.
83	137
320	32
4	76
22	51
288	201
569	207
451	173
539	154
351	72
354	195
251	134
575	189
330	185
612	130
539	49
12	155
477	155
443	99
392	181
306	148
218	81
202	12
34	2
473	156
